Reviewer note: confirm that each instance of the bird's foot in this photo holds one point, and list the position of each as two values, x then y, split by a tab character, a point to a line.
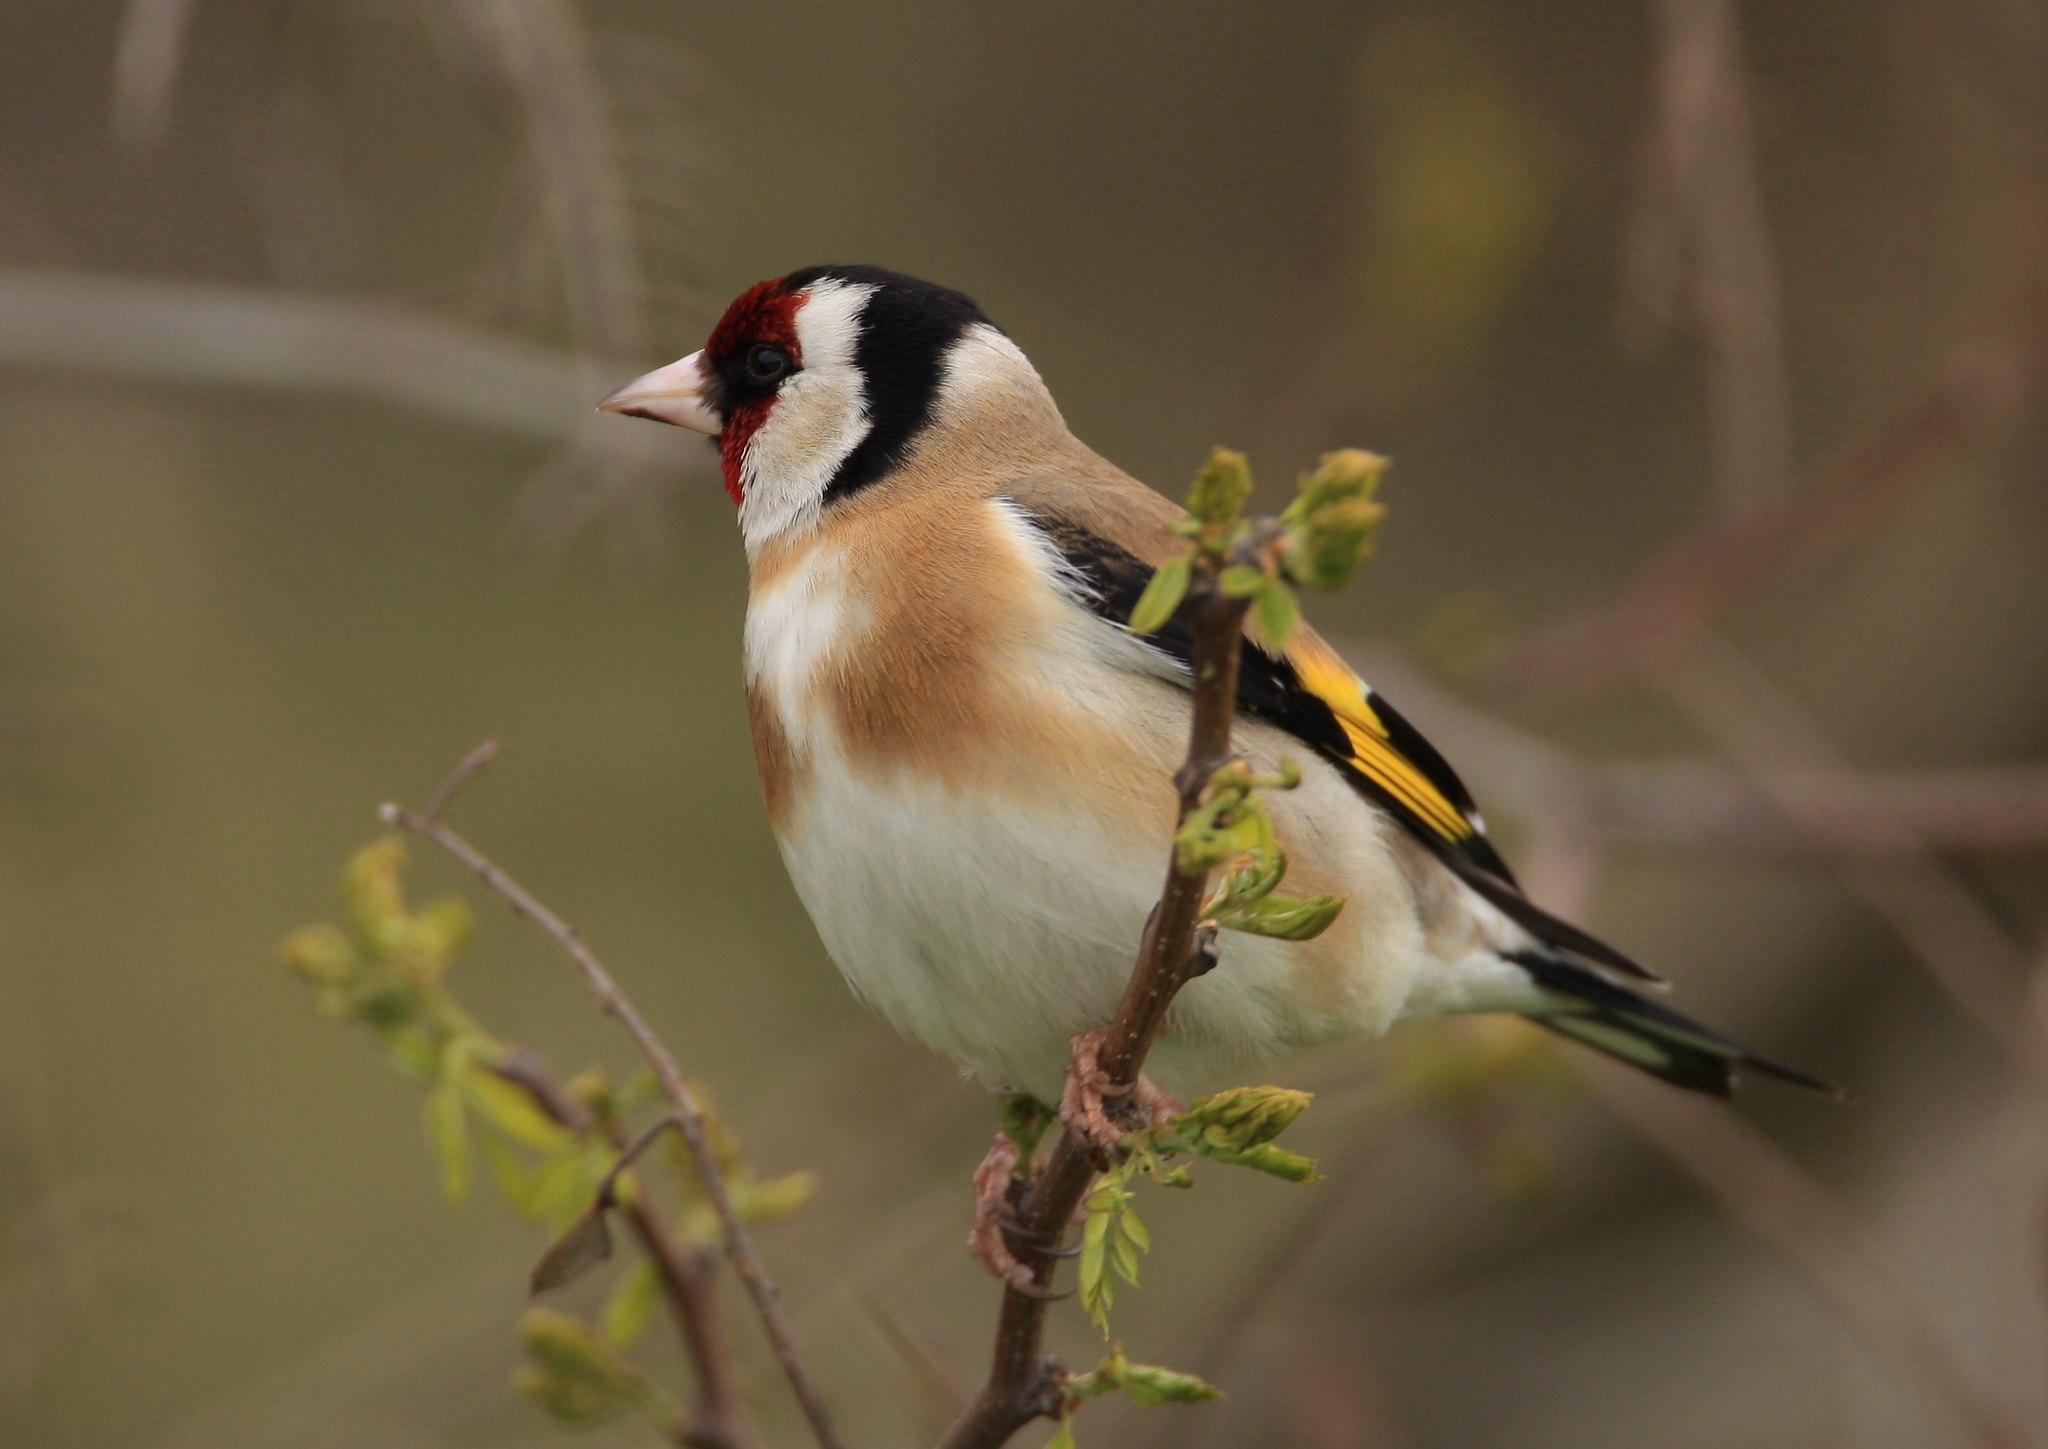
995	1215
1100	1111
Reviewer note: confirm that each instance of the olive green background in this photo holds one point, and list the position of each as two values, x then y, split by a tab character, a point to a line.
233	619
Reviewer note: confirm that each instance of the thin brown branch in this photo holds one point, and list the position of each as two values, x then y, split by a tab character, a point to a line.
1962	946
1023	1383
682	1102
146	61
537	59
690	1290
1758	1185
1964	808
1681	593
1704	804
608	1185
466	769
1699	249
932	1386
1767	1191
687	1283
106	326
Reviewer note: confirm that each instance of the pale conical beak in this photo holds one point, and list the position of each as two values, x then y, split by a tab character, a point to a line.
672	394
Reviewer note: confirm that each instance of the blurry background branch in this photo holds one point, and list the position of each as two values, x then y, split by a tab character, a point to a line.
1683	591
208	335
1762	1187
688	1116
146	59
1699	253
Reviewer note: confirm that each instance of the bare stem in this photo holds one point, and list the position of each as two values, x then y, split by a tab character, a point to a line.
1762	1188
687	1283
1023	1382
1682	593
690	1122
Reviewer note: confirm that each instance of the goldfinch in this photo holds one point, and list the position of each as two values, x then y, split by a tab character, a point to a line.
967	756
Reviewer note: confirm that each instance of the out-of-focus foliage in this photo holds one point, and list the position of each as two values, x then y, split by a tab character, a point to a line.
554	1149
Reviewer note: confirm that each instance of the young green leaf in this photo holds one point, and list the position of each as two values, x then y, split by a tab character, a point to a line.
1275	612
1162	595
322	954
581	1379
1274	1162
1241	581
511	1109
563	1184
438	931
778	1197
374	896
1112	1240
1149	1384
447	1122
1285	918
1331	524
1221	488
630	1307
1098	1294
511	1173
1142	1383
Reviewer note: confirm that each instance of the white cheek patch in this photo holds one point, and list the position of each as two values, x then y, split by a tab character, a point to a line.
819	418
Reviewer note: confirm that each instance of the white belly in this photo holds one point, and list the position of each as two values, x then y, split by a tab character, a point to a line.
992	922
994	930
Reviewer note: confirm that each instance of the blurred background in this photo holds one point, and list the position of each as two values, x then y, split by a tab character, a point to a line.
1710	343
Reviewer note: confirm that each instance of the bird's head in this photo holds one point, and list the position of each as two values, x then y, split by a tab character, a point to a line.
821	383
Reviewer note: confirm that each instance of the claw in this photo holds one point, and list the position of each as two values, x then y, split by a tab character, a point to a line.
1087	1085
1088	1088
1044	1295
994	1219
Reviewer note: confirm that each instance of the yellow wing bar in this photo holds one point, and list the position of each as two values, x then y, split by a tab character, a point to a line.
1426	787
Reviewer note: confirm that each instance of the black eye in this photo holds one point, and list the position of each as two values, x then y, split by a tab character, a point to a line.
765	362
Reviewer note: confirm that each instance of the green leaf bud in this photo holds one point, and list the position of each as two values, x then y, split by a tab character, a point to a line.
1221	487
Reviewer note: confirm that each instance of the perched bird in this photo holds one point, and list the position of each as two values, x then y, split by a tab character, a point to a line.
967	756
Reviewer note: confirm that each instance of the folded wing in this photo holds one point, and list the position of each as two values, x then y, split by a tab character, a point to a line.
1313	695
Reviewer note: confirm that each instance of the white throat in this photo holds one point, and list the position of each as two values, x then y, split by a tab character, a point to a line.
819	418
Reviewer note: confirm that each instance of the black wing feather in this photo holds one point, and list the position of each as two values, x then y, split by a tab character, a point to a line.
1271	688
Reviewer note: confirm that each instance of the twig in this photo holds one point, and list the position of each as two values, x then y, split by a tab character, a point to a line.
536	58
1023	1383
930	1383
466	769
146	61
1964	949
1759	1186
196	332
607	1194
1700	250
739	1246
691	1293
1681	593
1762	1187
1701	804
687	1283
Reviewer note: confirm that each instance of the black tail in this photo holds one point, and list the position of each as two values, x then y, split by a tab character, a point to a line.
1592	1010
